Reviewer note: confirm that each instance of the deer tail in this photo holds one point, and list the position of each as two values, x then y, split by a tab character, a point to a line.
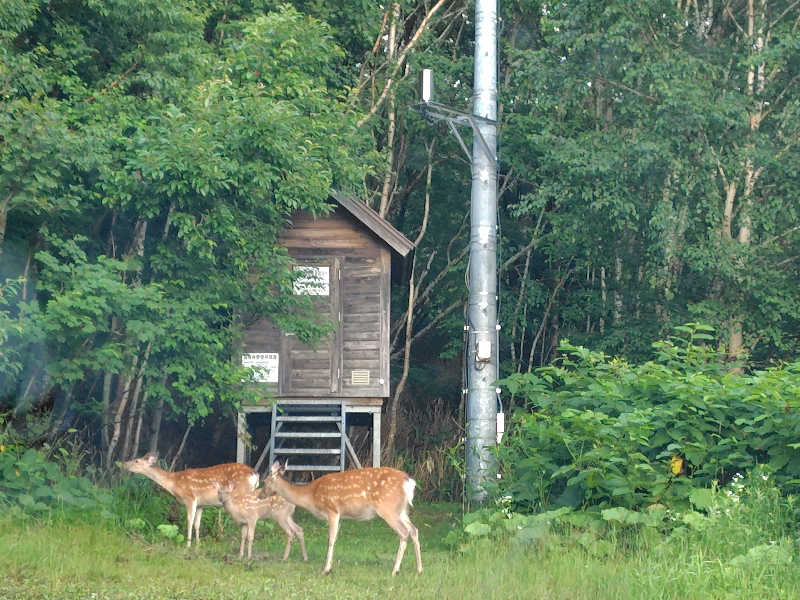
408	487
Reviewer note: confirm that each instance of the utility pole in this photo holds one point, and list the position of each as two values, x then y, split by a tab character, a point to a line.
482	350
481	326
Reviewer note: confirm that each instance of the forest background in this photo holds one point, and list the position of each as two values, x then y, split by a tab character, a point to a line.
151	153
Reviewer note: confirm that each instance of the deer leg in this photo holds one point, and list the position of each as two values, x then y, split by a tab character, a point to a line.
298	532
241	544
333	532
412	531
288	548
198	515
191	509
403	527
286	525
251	531
401	550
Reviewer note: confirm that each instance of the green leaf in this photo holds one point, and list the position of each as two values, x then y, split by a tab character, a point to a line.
532	533
702	499
477	529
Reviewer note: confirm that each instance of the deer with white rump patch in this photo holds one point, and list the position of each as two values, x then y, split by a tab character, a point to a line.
246	507
195	488
359	494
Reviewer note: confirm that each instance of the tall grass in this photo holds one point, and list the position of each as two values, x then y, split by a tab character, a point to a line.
741	545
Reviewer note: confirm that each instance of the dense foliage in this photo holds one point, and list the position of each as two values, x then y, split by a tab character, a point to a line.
45	480
147	172
151	152
596	432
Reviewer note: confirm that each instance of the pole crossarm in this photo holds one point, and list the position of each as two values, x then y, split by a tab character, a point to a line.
453	117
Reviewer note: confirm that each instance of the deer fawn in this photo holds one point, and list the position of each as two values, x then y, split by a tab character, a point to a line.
246	507
359	494
194	487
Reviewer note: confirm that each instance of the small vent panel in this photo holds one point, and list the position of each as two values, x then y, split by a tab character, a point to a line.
359	377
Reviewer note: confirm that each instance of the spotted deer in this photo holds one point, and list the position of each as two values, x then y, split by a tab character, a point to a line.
359	494
246	507
195	488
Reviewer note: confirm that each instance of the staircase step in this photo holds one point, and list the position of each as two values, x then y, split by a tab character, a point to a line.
319	420
307	434
308	450
293	419
312	467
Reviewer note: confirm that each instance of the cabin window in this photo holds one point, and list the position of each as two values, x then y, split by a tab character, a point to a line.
312	281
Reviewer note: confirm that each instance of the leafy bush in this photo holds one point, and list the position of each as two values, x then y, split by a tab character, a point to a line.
145	510
601	432
749	523
35	484
37	480
11	329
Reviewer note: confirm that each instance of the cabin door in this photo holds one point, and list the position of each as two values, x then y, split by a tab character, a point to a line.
314	370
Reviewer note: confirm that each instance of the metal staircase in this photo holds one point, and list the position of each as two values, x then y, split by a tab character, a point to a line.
310	437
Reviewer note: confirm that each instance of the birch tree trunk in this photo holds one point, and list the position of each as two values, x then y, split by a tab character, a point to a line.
756	18
412	298
389	175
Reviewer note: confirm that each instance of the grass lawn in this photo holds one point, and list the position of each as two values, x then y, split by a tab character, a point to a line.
63	558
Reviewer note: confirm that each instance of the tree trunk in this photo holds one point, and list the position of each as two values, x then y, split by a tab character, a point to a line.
388	177
604	298
123	395
155	428
4	219
617	293
179	451
392	433
134	404
137	436
517	365
412	298
755	88
545	317
106	400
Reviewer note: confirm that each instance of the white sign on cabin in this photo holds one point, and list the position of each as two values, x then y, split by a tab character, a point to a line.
312	281
264	365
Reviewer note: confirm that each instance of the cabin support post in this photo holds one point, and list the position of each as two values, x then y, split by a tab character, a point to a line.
241	432
376	438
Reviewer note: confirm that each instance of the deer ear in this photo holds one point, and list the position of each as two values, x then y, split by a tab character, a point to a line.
276	468
151	459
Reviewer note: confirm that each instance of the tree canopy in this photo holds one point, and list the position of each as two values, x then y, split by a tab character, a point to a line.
152	152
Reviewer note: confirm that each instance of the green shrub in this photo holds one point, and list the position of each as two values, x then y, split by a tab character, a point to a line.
748	523
35	484
142	507
38	480
601	432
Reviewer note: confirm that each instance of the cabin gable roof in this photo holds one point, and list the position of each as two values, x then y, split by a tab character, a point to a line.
375	223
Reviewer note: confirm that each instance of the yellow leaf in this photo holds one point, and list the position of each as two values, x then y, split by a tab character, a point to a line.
676	465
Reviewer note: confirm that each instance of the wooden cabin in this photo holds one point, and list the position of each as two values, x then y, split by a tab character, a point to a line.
311	394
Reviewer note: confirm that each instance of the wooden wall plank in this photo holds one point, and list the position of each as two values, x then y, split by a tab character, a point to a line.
359	290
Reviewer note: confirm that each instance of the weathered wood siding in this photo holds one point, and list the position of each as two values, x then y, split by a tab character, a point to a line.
364	337
358	305
313	370
263	336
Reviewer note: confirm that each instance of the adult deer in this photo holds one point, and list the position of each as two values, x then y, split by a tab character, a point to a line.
195	488
359	494
246	507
